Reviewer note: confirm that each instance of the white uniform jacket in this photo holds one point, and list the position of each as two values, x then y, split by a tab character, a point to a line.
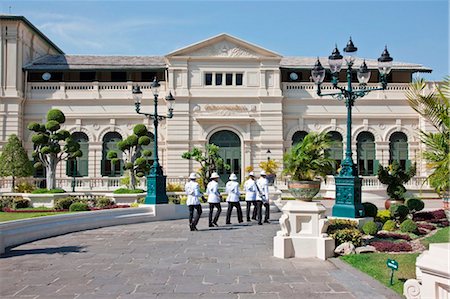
213	192
263	186
193	193
250	190
232	188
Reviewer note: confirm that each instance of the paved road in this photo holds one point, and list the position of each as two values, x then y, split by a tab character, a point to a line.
165	260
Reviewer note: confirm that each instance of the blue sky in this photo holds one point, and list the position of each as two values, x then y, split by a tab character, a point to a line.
415	31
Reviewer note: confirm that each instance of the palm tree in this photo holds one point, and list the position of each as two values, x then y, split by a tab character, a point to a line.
434	107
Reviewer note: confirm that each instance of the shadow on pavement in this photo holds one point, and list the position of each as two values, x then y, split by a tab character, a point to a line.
53	250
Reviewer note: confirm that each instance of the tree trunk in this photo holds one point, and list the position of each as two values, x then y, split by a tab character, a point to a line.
132	180
51	173
13	183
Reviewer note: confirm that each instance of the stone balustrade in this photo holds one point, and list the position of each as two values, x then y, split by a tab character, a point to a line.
89	90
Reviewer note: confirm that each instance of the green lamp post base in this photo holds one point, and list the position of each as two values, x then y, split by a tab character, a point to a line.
156	190
348	197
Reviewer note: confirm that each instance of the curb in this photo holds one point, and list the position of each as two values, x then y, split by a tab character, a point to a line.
378	287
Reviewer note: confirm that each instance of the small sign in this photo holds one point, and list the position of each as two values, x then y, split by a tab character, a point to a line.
392	264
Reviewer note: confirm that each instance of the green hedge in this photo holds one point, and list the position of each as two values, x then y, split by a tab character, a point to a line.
47	191
128	191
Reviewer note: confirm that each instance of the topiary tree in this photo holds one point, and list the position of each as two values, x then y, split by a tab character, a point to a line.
14	160
394	176
414	205
399	212
209	160
47	142
136	159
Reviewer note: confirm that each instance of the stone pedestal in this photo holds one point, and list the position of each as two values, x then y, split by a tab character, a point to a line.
433	274
303	232
274	195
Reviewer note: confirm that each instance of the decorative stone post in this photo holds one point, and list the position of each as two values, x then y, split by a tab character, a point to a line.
433	274
303	232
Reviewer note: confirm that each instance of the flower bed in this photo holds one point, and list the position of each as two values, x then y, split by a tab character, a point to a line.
393	235
387	246
8	210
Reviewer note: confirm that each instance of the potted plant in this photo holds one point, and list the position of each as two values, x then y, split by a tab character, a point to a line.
270	167
394	176
305	162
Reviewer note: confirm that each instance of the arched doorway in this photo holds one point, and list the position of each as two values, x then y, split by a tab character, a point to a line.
82	163
298	137
398	149
335	151
110	144
230	151
365	144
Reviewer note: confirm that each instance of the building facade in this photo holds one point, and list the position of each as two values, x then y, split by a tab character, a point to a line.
242	97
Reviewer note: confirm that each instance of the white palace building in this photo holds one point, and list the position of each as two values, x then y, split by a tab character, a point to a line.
229	92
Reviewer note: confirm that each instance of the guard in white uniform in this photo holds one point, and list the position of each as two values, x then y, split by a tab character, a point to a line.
250	195
193	194
232	188
262	197
214	199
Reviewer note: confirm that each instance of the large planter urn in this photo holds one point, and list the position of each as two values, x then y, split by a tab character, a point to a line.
271	179
304	190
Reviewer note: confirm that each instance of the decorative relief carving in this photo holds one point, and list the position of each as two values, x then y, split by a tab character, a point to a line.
196	108
96	126
382	126
224	110
224	49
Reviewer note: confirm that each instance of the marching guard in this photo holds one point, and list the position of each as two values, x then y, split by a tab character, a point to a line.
214	199
192	190
250	195
232	188
262	198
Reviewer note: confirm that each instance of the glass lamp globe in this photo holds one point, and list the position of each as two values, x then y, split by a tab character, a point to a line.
137	95
385	62
170	101
363	73
155	87
350	52
318	72
335	61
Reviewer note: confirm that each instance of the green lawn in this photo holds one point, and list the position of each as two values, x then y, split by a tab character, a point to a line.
441	236
374	264
16	216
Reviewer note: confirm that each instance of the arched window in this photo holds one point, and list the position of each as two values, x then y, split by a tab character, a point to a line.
298	137
80	167
230	151
110	144
335	151
367	165
398	149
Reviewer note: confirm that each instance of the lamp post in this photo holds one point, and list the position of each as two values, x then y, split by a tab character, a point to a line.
348	183
268	154
156	181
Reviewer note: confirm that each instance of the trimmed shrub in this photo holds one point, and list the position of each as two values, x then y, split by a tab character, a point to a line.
141	200
5	203
370	228
24	187
383	216
390	225
389	235
352	235
387	246
174	188
183	200
64	203
20	203
78	207
338	224
408	226
51	191
104	202
414	205
370	210
128	191
56	115
399	212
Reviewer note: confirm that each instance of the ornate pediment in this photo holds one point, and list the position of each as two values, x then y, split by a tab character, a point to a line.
224	49
224	45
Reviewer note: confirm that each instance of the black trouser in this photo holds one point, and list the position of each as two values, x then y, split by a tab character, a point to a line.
259	211
249	206
211	208
191	214
230	209
267	210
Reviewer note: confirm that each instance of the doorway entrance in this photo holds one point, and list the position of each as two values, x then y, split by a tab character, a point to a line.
230	151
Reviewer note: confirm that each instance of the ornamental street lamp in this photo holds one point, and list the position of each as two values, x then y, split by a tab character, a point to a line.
268	154
348	183
156	181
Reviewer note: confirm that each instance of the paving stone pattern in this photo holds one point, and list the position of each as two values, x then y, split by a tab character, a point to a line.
166	260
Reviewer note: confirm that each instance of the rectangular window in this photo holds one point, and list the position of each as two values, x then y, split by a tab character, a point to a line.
239	79
118	76
208	79
218	79
229	164
148	76
87	76
236	166
229	79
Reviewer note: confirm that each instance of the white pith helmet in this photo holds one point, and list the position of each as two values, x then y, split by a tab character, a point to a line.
193	176
214	175
233	177
263	172
251	174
